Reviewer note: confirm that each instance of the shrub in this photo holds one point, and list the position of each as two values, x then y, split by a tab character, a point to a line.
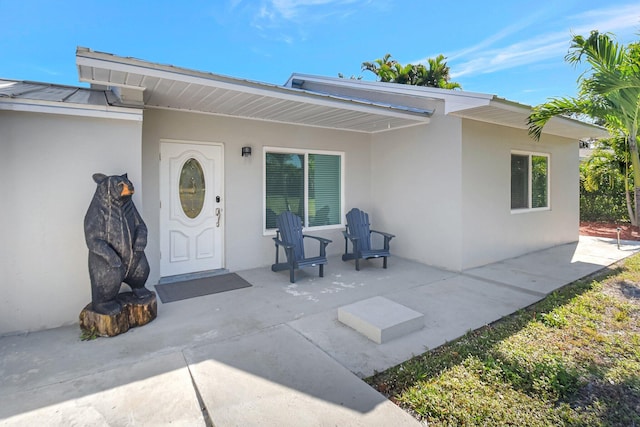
604	201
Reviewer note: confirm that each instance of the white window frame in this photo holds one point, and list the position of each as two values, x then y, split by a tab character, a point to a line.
305	220
530	154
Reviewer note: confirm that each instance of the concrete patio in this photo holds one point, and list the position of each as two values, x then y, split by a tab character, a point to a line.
273	354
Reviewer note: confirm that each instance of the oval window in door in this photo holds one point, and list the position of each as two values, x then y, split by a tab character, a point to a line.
192	188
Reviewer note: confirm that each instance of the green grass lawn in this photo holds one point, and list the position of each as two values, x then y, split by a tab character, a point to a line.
571	359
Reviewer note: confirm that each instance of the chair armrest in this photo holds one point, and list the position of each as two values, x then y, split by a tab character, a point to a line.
281	243
323	244
320	239
386	235
349	236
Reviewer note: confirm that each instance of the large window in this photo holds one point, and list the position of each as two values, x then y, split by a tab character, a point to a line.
529	181
307	183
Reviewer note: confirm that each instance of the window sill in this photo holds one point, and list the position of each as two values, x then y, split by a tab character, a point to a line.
272	232
528	210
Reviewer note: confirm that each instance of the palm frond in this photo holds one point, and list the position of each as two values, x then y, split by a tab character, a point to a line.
541	114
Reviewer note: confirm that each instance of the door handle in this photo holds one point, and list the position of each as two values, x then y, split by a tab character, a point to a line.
218	214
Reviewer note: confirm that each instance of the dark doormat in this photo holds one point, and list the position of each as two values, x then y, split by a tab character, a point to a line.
170	292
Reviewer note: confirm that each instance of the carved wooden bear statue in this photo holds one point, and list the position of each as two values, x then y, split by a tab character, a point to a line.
116	237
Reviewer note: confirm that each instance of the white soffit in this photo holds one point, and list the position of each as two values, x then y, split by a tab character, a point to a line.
165	86
510	114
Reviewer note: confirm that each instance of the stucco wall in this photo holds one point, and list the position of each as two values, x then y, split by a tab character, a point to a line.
245	244
454	175
416	190
46	164
490	231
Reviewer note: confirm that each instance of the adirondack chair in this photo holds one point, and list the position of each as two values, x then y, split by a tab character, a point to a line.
359	233
289	236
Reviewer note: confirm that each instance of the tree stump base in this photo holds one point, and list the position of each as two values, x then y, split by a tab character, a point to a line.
134	312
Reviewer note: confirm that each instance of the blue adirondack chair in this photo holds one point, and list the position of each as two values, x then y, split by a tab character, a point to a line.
289	236
358	232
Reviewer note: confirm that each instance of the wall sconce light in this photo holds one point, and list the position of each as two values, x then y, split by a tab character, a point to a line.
246	151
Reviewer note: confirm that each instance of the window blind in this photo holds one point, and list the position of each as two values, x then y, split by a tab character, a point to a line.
519	181
324	189
284	185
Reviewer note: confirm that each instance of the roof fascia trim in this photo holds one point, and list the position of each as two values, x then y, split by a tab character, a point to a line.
127	65
595	131
522	108
68	109
474	99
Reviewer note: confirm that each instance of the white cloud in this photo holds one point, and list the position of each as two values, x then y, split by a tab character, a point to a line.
296	9
282	13
488	56
619	18
527	21
288	21
515	55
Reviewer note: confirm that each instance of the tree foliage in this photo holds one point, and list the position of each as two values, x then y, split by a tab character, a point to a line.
605	181
609	93
437	74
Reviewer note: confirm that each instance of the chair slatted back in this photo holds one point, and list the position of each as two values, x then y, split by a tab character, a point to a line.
358	226
290	228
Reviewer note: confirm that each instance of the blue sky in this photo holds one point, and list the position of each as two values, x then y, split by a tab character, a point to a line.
514	49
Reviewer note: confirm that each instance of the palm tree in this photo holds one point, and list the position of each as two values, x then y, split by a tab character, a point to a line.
437	75
390	70
382	67
404	74
610	94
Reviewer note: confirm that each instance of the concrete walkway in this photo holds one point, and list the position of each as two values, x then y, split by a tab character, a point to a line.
273	354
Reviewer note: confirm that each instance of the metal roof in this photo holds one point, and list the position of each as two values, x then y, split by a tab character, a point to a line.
71	100
140	83
482	107
50	92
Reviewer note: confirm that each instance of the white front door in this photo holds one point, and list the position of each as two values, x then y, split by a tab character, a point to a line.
191	214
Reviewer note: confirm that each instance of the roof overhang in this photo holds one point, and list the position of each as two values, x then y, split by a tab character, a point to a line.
47	98
482	107
149	85
420	97
506	113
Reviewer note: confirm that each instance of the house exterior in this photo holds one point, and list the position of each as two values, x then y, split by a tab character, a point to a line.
454	175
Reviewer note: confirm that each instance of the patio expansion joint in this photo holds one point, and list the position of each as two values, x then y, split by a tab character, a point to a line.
505	285
310	341
203	407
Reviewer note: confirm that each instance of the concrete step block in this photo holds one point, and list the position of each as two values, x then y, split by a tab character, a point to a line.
380	319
